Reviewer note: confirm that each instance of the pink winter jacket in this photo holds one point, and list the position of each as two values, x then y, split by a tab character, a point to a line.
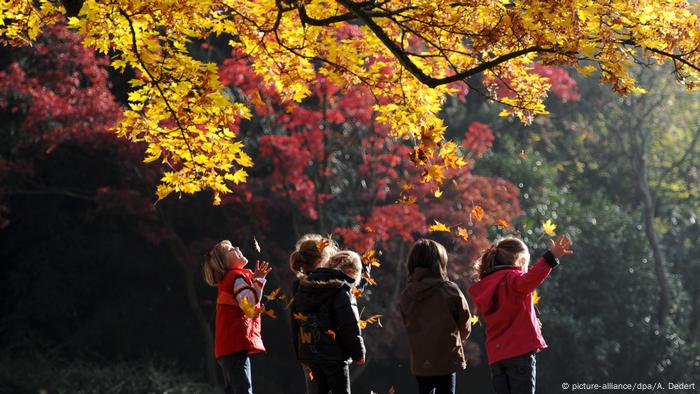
504	299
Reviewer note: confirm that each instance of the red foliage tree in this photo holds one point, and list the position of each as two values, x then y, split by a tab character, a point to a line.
338	171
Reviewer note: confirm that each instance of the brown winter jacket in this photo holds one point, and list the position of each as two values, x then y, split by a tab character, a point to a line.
437	320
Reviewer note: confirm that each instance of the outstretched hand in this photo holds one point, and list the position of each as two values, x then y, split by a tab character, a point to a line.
262	268
560	247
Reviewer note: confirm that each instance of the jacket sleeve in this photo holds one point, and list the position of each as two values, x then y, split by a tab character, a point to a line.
346	319
529	281
462	315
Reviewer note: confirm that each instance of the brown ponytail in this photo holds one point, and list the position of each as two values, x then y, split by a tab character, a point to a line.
215	265
308	256
507	251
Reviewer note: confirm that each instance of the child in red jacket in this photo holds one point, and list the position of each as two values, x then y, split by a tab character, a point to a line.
237	322
503	296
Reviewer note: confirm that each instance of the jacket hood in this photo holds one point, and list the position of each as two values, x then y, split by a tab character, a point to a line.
422	282
482	292
320	285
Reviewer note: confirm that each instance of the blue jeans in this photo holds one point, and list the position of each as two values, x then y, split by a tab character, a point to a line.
515	375
236	369
444	384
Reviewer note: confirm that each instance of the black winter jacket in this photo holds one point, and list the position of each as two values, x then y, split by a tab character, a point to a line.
325	319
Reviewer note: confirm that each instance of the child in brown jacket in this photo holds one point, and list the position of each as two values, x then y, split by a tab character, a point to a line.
436	317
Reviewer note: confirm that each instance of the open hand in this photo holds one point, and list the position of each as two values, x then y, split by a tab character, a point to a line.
262	268
560	247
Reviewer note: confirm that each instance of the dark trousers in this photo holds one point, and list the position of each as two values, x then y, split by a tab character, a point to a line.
515	375
331	378
443	384
236	369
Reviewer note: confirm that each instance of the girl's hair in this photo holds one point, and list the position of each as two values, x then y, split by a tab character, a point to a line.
349	263
215	265
507	251
427	253
307	254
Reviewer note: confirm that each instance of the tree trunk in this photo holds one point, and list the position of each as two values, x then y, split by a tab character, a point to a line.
664	306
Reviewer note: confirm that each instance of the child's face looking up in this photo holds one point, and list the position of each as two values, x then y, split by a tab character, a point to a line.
234	256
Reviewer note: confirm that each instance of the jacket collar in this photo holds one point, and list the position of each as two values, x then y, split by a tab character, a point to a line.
497	268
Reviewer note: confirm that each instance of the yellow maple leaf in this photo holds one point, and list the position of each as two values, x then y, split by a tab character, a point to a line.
357	292
370	320
437	227
275	294
370	258
474	319
502	223
437	193
463	233
478	213
535	297
407	200
549	227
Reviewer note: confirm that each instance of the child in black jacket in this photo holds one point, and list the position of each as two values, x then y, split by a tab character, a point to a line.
325	329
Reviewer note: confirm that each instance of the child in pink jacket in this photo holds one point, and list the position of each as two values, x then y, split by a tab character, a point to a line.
503	297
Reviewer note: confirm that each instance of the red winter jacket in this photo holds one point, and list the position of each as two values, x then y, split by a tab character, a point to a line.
503	297
235	332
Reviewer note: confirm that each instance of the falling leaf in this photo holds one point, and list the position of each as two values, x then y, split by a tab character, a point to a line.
370	258
406	187
357	292
478	213
474	319
368	229
438	227
267	312
463	233
502	223
523	155
322	244
331	333
299	316
407	200
437	193
535	297
549	227
370	320
257	245
275	294
369	279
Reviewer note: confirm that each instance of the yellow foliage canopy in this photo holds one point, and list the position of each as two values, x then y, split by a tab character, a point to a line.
408	54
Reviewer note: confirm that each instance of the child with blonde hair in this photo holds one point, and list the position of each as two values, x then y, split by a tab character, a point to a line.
237	325
310	251
326	331
503	296
436	318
